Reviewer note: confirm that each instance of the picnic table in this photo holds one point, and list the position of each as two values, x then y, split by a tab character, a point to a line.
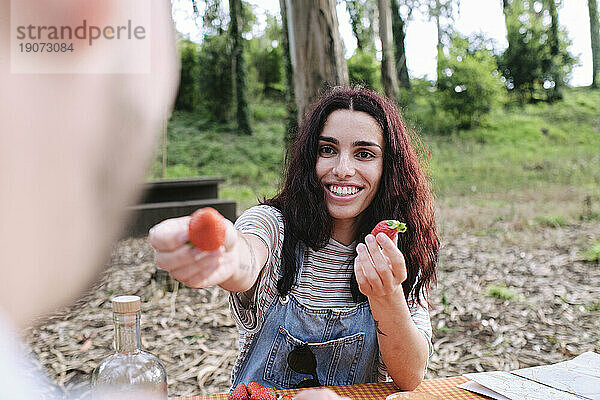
444	388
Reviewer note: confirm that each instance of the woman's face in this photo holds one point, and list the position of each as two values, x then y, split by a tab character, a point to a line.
349	162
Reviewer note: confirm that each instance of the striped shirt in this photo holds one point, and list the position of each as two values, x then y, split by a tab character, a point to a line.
324	281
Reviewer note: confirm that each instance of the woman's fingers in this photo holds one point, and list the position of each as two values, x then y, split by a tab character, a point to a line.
169	234
368	267
209	262
379	265
181	256
361	279
381	261
394	257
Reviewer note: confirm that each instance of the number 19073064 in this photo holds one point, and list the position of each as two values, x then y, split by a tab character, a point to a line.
44	47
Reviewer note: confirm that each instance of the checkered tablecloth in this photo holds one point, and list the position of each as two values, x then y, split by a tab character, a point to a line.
444	388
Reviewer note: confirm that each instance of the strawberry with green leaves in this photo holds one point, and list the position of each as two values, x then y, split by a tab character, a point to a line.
390	227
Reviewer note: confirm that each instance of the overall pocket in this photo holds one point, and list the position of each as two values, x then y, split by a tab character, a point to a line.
337	360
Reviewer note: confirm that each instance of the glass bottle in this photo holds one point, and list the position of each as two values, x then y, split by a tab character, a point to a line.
130	373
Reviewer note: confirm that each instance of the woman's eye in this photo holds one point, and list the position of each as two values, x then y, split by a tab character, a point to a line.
365	155
326	150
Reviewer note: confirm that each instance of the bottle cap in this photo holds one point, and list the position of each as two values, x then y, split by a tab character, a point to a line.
126	304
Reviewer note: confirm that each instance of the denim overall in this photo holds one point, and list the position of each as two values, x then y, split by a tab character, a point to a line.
344	342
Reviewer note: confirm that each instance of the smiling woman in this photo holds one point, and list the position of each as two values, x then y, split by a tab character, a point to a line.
317	299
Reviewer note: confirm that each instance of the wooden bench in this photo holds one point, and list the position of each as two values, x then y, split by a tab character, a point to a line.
164	199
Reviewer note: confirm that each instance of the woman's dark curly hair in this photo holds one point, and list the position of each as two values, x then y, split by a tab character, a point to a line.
403	194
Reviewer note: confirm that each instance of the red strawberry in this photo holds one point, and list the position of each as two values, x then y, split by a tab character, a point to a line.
253	386
239	393
390	227
264	393
207	229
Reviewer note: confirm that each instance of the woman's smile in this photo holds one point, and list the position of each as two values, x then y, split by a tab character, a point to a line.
343	191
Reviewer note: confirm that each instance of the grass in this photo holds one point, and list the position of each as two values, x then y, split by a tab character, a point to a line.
544	153
551	221
502	292
592	254
251	165
594	306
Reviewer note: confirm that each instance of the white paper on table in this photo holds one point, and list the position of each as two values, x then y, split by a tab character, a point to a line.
580	375
516	388
475	387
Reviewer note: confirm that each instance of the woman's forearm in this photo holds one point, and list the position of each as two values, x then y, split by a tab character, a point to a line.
247	256
403	347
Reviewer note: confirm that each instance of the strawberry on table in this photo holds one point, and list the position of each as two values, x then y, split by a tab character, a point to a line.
239	393
207	229
264	393
253	387
390	227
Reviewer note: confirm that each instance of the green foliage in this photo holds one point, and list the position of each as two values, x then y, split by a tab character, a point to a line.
363	69
187	94
215	83
214	19
470	83
512	152
251	165
422	109
359	13
595	306
265	61
551	221
502	292
532	65
592	254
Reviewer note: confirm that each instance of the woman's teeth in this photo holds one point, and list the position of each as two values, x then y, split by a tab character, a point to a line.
343	190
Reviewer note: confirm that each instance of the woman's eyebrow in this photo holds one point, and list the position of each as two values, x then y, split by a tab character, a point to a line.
364	143
359	143
328	139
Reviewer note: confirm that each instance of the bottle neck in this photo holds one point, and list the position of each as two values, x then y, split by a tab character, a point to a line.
127	332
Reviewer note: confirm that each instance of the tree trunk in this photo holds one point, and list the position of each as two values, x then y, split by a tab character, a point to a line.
557	76
355	10
388	66
316	49
292	112
399	36
595	36
440	46
238	68
506	12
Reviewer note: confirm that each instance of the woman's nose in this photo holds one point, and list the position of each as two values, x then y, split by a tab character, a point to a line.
343	167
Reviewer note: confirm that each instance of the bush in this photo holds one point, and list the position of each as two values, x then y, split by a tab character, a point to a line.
268	63
470	84
215	68
187	94
422	109
363	69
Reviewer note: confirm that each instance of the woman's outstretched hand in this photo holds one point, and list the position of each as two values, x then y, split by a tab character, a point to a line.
189	265
379	266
